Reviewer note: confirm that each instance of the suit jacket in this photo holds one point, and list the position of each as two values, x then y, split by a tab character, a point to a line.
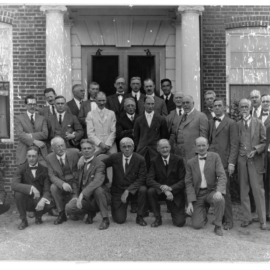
140	103
214	174
146	138
114	105
170	105
258	139
23	126
2	189
45	111
73	107
85	109
23	180
225	140
70	123
172	119
125	127
56	173
195	126
267	122
174	177
102	130
266	150
132	179
208	114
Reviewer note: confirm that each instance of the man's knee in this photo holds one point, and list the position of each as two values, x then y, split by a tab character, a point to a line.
19	195
180	222
143	189
219	202
54	189
197	226
119	219
151	192
98	191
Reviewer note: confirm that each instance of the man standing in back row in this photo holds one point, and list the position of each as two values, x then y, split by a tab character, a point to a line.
166	86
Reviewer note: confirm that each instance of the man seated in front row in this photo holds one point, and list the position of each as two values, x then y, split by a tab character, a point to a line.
4	204
63	173
129	176
93	194
32	188
205	184
166	181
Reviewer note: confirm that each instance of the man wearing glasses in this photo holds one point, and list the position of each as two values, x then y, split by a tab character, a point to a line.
31	128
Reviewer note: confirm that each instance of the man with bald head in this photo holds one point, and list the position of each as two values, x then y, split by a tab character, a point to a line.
256	110
75	104
191	125
205	185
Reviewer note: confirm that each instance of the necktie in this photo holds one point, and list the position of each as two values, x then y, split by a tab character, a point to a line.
203	158
217	119
184	118
132	118
60	119
246	125
61	162
32	120
53	110
255	113
166	164
179	112
85	167
136	97
126	165
166	100
136	102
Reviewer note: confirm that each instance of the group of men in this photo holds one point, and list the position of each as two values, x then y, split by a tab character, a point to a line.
160	148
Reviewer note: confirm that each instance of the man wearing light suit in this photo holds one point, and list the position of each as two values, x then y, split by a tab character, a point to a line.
191	125
101	126
205	184
31	128
224	140
251	163
93	194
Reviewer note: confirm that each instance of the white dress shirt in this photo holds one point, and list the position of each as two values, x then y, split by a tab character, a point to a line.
63	157
258	111
167	159
217	122
248	119
29	115
93	104
33	171
201	164
131	115
181	110
124	161
88	160
57	115
78	103
138	94
211	111
149	117
165	97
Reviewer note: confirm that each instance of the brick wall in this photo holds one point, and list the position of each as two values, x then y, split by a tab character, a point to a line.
29	66
215	21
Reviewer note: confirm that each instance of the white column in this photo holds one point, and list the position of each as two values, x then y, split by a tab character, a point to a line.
178	52
55	76
191	52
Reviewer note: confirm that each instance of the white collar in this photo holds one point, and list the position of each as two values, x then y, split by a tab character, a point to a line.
221	117
168	158
88	160
128	158
62	157
138	94
63	114
169	96
77	102
179	109
190	111
150	114
129	115
29	115
33	165
202	156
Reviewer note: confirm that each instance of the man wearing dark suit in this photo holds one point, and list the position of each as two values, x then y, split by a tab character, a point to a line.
166	181
129	177
265	115
209	98
205	184
224	140
149	128
115	102
63	173
251	163
32	188
267	174
75	104
166	86
93	194
64	124
31	128
256	103
4	204
191	125
88	105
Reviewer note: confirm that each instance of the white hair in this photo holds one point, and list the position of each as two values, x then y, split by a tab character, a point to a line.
126	140
255	93
265	97
244	100
56	139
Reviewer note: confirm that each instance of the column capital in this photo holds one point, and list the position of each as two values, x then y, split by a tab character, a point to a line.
53	9
190	9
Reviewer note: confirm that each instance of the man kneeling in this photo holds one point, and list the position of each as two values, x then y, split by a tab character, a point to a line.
32	188
93	195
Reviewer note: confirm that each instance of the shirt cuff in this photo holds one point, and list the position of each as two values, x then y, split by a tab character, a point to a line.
31	190
232	164
45	200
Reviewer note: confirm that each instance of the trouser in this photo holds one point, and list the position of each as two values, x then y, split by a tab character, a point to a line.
228	202
61	197
267	186
204	199
119	209
177	212
248	175
28	203
98	202
4	207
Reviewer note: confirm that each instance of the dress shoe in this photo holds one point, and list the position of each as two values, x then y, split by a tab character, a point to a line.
218	230
141	221
104	224
228	226
263	226
23	224
89	220
146	214
246	223
38	220
255	219
31	214
61	218
53	212
157	222
134	208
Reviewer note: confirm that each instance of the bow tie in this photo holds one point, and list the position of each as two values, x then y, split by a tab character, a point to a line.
217	119
203	158
33	168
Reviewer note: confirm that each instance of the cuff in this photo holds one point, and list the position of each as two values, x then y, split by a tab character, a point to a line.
31	190
232	164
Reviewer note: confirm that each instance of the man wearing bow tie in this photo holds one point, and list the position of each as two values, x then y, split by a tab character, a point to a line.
93	194
251	163
31	185
205	185
75	104
209	98
166	181
224	140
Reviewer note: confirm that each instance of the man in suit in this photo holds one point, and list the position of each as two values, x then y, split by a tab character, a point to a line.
166	181
115	102
63	173
224	140
149	128
101	126
135	84
31	128
209	98
265	115
166	86
256	103
88	105
75	104
267	174
205	184
4	204
129	177
191	125
251	163
93	194
64	124
31	185
160	105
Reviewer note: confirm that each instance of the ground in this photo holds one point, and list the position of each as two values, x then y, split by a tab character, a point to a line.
76	241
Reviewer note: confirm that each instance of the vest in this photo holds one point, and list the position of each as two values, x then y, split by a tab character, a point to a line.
245	140
67	172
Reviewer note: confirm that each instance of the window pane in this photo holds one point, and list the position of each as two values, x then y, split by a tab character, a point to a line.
262	60
262	44
249	60
236	75
249	76
236	44
236	60
249	44
261	76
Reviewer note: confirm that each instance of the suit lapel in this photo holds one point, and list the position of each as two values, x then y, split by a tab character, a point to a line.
130	165
144	120
208	162
28	122
70	160
57	164
267	120
171	164
29	174
190	118
252	126
222	124
121	164
154	120
197	167
65	120
38	172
